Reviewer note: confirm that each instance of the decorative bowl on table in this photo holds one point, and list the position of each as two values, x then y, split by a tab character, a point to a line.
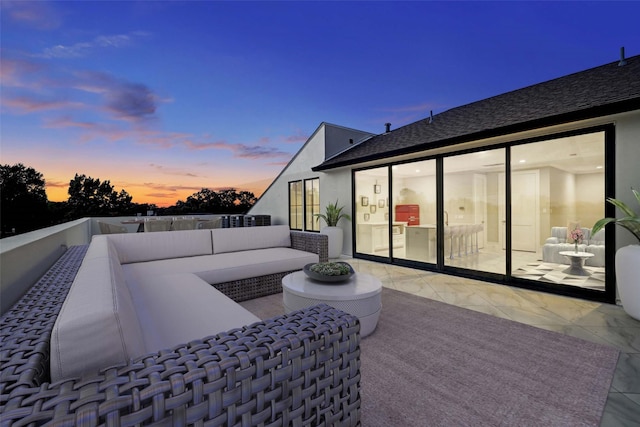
330	272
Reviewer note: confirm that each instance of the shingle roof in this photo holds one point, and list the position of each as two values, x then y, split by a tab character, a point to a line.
607	89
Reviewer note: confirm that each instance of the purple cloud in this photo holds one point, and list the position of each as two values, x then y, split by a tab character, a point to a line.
298	137
173	171
28	104
131	101
240	150
35	14
85	48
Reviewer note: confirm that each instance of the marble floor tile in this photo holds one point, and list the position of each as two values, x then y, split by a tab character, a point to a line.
627	376
620	411
626	340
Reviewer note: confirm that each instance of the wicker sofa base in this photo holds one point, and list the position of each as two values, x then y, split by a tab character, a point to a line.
256	287
299	369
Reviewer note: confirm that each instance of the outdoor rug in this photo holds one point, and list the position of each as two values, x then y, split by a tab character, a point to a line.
434	364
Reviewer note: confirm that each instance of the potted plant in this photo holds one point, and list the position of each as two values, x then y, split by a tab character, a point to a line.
627	258
332	215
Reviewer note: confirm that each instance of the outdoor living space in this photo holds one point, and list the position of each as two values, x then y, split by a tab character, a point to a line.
604	325
599	323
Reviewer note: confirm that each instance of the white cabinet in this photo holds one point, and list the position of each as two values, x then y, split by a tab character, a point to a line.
421	241
373	238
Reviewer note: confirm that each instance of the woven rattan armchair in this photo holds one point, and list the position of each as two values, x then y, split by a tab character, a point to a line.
302	368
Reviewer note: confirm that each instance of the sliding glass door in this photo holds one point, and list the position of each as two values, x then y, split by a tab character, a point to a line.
558	189
414	210
372	213
474	211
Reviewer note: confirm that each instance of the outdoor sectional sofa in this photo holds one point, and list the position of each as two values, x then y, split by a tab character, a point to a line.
301	368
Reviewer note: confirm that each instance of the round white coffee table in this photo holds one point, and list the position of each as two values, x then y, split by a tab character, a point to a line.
360	296
577	262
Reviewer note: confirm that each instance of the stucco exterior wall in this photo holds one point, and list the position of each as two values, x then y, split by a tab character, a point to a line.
335	185
627	168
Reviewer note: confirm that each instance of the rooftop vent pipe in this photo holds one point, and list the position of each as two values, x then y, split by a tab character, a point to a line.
622	60
431	116
387	127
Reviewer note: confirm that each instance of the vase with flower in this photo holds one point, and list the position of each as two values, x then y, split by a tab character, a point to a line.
577	236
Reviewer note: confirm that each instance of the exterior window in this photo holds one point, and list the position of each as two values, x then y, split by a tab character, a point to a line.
295	205
311	204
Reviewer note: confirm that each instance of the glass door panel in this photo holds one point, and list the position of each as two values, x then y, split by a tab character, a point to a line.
372	213
474	207
414	210
557	186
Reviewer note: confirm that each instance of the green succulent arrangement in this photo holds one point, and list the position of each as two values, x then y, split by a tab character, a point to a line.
330	268
631	221
333	214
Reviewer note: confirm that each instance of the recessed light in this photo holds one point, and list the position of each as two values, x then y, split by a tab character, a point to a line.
523	161
417	170
598	167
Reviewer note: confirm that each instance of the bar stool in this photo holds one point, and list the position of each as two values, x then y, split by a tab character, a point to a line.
448	235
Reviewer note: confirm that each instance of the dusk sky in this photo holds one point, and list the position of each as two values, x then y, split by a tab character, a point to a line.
166	98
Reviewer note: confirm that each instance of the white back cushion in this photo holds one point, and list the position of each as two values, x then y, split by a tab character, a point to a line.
140	247
247	238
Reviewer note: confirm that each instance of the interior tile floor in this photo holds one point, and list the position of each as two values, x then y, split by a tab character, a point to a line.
597	322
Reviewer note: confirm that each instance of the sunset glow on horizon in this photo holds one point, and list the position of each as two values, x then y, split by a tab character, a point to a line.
164	99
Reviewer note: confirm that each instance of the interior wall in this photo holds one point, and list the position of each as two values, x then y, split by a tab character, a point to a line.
364	188
589	198
458	198
562	198
418	190
493	220
545	205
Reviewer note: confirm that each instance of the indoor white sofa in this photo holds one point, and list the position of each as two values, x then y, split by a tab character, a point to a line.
136	294
558	243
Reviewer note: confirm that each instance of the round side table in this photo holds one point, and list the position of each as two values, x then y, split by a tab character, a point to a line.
360	296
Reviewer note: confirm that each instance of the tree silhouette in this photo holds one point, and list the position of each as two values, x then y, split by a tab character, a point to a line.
90	197
208	201
23	204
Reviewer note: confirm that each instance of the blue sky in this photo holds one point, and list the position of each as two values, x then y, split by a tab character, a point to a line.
165	98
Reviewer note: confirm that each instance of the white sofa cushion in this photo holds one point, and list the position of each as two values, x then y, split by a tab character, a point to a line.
140	247
226	267
242	239
97	325
175	309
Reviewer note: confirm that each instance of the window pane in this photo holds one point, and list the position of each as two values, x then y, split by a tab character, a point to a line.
295	205
312	204
558	186
475	211
414	205
372	214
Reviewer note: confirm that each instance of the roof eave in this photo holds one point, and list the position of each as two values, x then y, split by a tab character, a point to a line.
584	114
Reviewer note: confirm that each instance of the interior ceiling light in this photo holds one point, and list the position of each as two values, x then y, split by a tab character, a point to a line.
522	161
598	167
